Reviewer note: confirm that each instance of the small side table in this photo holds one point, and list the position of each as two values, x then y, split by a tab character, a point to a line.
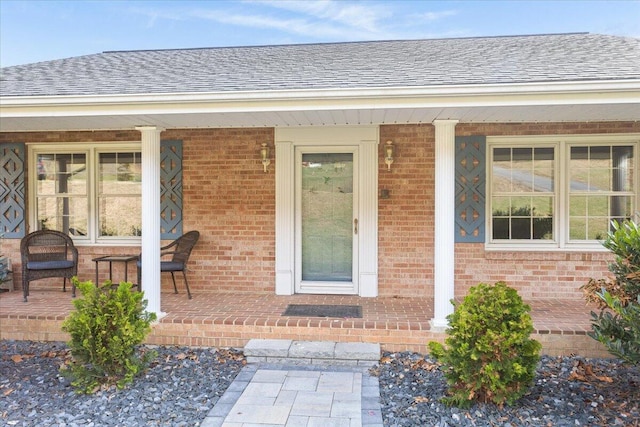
115	258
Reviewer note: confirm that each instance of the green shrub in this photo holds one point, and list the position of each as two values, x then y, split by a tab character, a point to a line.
490	356
617	326
620	331
108	324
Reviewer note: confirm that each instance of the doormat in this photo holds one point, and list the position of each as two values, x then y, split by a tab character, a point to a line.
310	310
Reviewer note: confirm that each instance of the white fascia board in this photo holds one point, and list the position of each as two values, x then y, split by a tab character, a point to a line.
525	94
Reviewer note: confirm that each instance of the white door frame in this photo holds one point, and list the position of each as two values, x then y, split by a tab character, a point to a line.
286	140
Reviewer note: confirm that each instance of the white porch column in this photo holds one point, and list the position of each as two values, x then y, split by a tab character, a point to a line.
151	217
285	209
444	254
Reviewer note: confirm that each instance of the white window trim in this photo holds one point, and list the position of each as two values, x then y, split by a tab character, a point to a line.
91	150
563	143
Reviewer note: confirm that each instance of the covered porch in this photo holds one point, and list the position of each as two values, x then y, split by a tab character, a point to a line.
225	319
242	198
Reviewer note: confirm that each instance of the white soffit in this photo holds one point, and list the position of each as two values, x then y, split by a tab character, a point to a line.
558	102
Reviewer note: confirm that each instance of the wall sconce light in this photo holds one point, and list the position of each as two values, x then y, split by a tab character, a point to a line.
264	155
388	154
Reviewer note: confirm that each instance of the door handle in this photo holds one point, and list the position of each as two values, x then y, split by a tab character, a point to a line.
355	226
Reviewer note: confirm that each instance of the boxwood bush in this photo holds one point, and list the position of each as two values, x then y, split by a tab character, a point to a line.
489	355
106	328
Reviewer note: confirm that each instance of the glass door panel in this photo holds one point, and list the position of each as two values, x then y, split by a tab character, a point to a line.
327	216
326	222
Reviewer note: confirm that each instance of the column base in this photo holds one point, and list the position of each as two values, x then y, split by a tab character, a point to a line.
439	325
159	316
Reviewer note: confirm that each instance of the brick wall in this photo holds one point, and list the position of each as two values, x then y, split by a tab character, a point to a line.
406	223
231	201
227	197
557	274
406	218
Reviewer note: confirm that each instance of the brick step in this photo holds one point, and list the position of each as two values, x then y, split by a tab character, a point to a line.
312	352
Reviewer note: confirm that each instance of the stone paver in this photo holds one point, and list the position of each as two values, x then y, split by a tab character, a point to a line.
264	395
288	352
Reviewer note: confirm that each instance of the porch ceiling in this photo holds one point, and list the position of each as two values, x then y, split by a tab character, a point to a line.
625	112
575	102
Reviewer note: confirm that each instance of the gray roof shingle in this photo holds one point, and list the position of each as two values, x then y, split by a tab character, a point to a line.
381	64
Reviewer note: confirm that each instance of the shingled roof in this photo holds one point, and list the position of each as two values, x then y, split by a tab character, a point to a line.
383	64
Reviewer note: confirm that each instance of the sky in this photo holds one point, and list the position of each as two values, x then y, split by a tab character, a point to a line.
34	31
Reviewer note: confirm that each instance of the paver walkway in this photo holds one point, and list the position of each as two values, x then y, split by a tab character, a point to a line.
265	395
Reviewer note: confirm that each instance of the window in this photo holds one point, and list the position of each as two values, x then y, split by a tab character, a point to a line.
119	194
523	196
92	193
559	191
600	189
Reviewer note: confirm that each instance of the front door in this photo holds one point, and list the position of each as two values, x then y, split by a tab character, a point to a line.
326	220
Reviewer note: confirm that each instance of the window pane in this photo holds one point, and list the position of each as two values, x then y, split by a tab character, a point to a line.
621	206
599	179
120	188
500	228
66	214
597	228
522	173
578	206
601	189
501	170
501	155
579	153
622	175
521	206
120	173
543	228
578	229
120	216
598	206
501	206
600	156
542	206
61	192
579	177
521	228
46	174
61	174
543	169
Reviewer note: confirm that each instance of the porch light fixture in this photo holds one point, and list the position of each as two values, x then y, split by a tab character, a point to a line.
264	155
388	154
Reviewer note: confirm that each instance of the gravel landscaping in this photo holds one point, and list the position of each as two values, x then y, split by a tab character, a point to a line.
179	389
567	391
183	384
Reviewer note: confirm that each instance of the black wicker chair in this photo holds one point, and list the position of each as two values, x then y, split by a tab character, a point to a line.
180	250
48	253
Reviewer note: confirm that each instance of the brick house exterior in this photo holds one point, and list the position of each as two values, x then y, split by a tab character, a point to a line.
228	197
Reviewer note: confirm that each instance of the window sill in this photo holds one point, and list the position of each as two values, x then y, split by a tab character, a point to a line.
110	243
544	248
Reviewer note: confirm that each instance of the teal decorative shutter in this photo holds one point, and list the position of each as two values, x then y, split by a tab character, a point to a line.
170	189
12	170
471	180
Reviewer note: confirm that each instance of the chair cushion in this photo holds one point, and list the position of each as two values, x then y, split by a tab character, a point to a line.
49	265
171	266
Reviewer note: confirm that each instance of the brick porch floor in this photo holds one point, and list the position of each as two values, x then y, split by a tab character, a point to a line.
230	320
